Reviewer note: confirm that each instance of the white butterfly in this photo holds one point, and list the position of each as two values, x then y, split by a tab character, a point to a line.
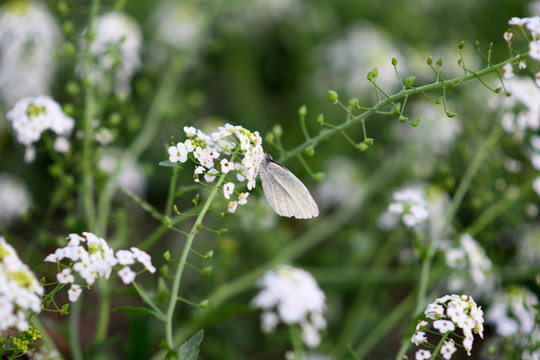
284	192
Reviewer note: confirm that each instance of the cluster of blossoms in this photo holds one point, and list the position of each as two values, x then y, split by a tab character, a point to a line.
514	315
116	46
179	26
28	37
20	290
292	296
411	205
446	314
32	116
233	147
472	258
96	260
533	25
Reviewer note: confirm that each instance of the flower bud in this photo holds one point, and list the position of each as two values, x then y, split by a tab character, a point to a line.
277	131
320	119
415	123
167	255
368	141
362	147
332	96
318	176
394	62
302	112
429	60
310	151
440	62
409	82
403	118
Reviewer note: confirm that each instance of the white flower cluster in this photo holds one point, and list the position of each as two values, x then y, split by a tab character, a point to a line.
513	312
28	38
411	205
96	260
292	296
15	199
235	148
32	116
521	111
178	25
448	313
20	290
471	256
533	25
116	47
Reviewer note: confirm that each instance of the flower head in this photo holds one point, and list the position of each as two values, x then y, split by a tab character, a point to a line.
293	296
20	290
28	37
95	259
32	116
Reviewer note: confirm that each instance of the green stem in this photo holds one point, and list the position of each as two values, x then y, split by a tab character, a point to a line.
296	340
464	186
394	98
74	335
438	348
87	186
173	297
103	311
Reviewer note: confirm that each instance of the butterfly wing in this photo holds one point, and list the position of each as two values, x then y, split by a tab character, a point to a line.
285	193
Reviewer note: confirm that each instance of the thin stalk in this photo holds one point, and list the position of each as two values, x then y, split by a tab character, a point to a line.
90	104
394	98
464	186
173	297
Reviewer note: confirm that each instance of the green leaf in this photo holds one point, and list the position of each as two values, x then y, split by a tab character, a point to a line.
168	163
135	310
190	349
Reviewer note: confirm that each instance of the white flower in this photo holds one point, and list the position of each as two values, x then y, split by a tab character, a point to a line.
116	47
513	312
226	166
231	207
294	296
65	277
242	198
20	290
522	64
210	175
125	257
127	275
98	261
412	205
178	153
448	349
32	116
228	189
534	50
507	71
443	326
418	337
507	36
61	145
74	292
423	354
421	324
434	311
29	36
178	25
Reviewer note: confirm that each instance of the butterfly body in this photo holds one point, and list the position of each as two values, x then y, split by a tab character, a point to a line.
285	193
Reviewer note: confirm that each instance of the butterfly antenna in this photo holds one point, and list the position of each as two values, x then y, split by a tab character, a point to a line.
269	143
